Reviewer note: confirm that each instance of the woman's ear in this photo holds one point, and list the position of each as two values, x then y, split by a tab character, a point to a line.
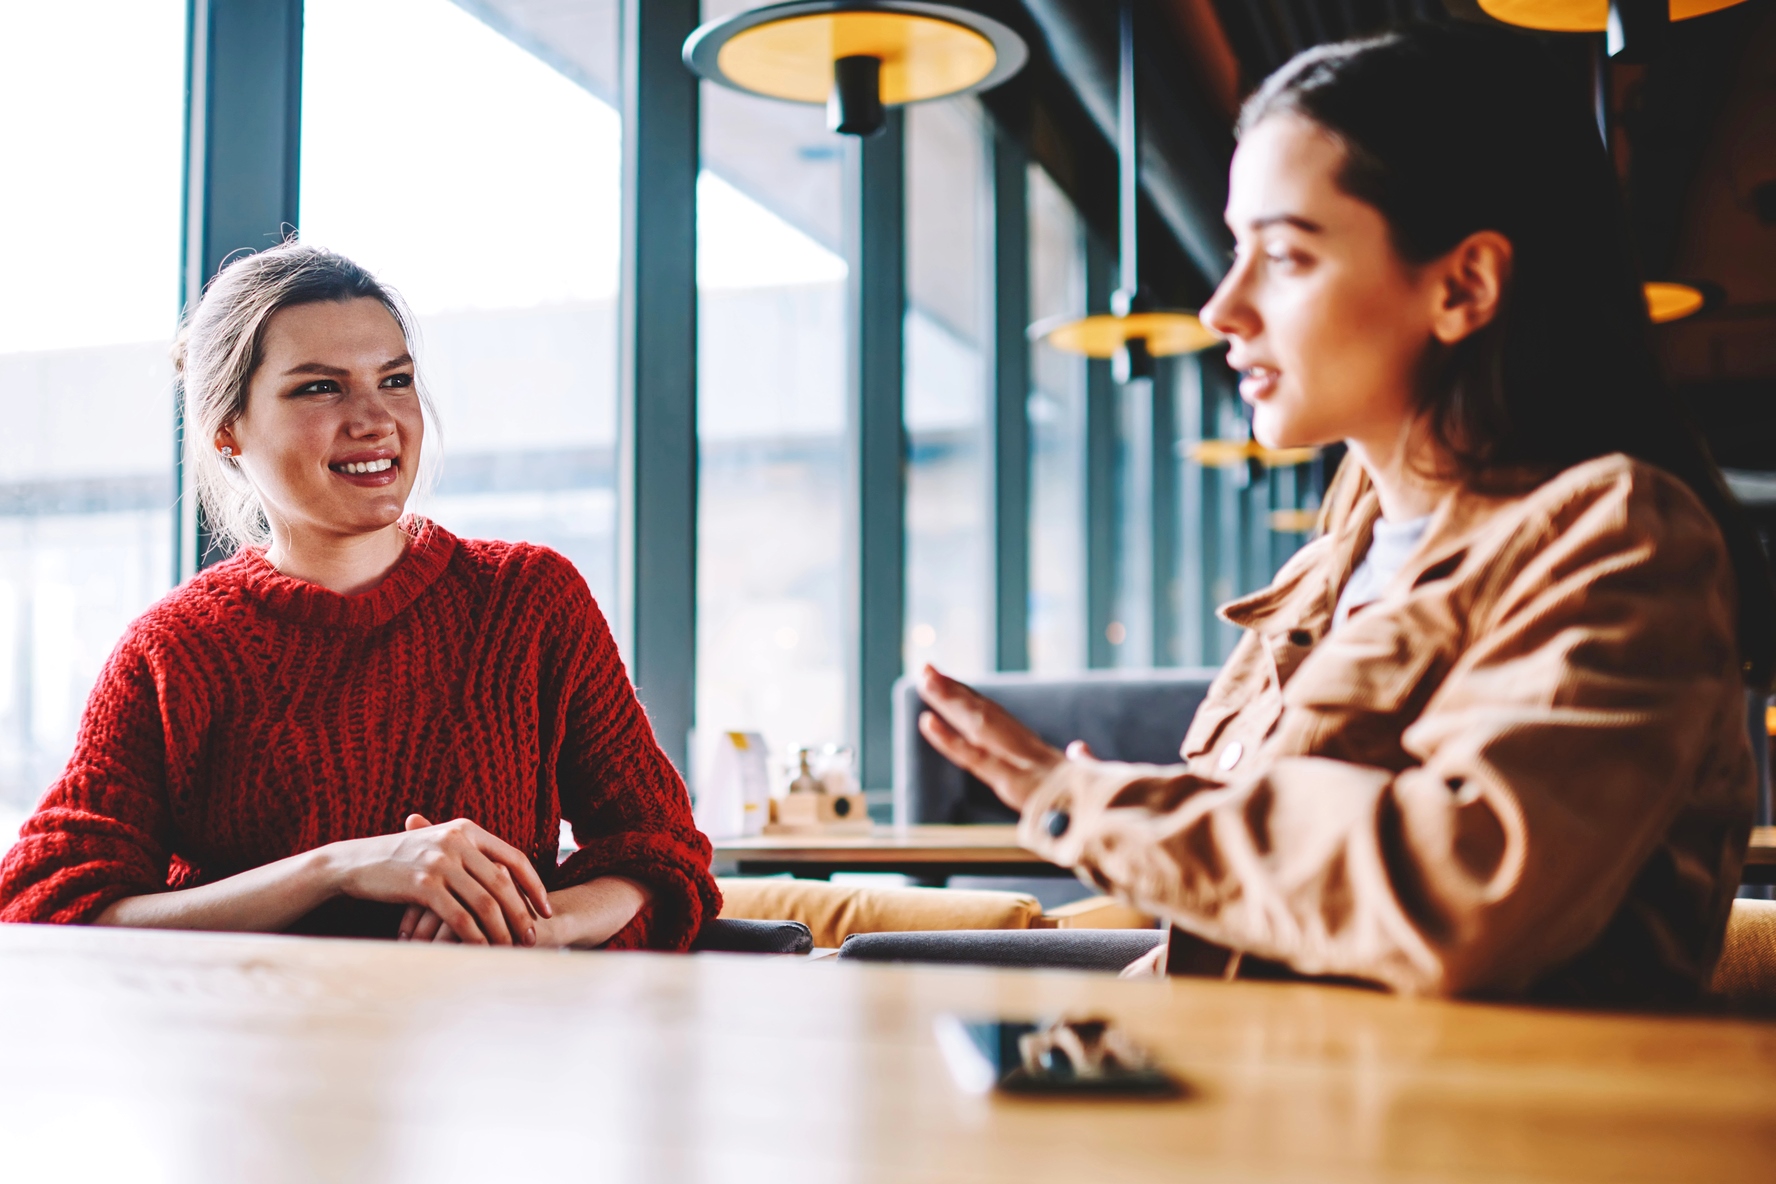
225	439
1470	285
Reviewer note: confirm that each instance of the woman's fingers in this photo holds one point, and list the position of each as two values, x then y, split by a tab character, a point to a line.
409	919
482	905
520	920
520	872
517	865
428	926
983	722
959	750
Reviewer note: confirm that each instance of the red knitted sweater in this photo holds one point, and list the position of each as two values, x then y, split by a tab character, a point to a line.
250	716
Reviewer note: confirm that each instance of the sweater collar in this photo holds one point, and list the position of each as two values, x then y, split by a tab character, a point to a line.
298	600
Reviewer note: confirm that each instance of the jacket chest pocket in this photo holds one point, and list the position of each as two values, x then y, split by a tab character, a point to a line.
1234	726
1365	666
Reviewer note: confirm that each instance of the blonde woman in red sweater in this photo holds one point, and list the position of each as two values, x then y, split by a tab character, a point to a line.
358	724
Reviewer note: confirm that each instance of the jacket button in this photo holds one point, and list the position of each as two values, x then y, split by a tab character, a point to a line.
1300	637
1056	822
1230	756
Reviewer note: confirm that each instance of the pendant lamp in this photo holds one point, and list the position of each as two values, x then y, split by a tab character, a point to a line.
1223	454
1668	301
1584	16
1134	332
859	57
1629	27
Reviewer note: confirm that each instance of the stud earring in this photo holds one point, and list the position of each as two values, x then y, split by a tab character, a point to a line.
227	453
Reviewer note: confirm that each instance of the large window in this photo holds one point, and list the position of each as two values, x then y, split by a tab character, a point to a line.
770	420
477	171
89	248
1057	436
949	548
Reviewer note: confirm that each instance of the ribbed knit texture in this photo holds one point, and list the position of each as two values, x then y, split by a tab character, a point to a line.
249	716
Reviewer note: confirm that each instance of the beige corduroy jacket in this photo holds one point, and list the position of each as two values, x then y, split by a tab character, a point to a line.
1523	770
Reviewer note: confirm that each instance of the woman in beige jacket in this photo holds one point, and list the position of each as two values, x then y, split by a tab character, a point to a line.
1486	734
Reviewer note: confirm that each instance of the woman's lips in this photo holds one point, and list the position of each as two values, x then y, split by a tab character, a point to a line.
368	474
1257	382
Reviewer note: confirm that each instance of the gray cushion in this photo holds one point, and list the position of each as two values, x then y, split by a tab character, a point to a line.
735	936
1054	949
1124	716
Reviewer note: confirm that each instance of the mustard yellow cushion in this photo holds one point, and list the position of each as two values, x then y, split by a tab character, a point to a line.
1098	912
1746	972
835	911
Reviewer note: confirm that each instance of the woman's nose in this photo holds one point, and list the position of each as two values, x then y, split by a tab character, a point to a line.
1228	312
371	416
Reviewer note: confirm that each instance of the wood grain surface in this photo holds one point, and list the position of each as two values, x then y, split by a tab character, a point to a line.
899	845
1762	852
179	1057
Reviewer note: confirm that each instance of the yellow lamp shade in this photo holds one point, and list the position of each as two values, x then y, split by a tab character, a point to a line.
788	51
1672	302
1294	521
1582	16
1101	336
1214	454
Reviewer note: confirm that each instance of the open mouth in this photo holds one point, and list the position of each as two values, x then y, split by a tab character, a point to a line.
381	470
1256	382
365	466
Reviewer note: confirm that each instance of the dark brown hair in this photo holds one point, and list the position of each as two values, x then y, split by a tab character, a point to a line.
1451	131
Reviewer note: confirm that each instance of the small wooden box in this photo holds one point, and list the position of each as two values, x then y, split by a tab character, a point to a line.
801	812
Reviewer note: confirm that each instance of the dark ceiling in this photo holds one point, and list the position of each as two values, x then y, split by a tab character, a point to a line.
1693	133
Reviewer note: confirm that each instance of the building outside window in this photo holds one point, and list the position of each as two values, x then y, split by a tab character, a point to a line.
89	246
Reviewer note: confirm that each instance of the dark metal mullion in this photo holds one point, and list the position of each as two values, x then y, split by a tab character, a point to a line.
657	367
1100	474
243	123
875	290
1010	452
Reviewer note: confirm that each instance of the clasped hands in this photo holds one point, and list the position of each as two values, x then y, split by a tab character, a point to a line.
459	883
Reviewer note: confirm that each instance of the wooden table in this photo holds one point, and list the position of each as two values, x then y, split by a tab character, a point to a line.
926	852
193	1058
1760	857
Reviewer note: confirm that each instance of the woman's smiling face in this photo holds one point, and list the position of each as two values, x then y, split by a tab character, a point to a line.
331	434
1328	326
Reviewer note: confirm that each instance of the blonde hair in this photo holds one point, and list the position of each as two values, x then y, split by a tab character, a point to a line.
220	346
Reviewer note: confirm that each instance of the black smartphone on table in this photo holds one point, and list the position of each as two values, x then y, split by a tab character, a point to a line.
1079	1056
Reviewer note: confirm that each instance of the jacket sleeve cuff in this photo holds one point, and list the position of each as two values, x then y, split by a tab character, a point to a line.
1067	809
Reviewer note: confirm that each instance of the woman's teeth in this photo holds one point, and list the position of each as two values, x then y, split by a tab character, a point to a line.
365	466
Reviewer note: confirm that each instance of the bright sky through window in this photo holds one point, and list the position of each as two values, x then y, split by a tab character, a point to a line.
89	212
469	174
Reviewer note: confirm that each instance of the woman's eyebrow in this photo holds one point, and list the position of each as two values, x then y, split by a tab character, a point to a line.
393	363
1295	220
317	368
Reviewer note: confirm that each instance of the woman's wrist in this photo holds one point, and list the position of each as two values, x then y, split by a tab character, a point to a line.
590	914
322	872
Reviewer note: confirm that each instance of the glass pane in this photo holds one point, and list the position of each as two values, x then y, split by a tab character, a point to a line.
949	237
770	421
1131	629
477	171
89	245
1057	437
